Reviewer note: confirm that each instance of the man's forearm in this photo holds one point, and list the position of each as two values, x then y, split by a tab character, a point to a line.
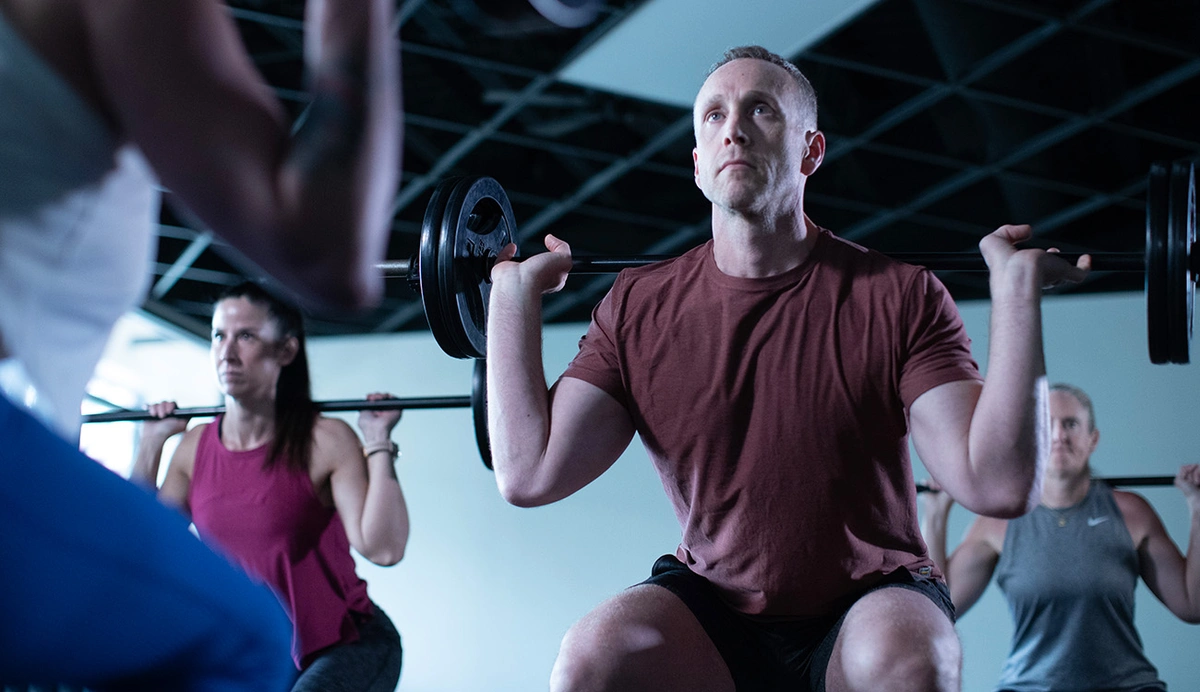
1009	437
518	400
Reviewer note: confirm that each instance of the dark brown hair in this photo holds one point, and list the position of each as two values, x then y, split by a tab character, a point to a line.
295	412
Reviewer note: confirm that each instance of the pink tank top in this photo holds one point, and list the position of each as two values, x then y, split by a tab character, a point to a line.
272	524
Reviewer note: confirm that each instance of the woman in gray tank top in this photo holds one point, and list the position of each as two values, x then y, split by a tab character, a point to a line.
1068	569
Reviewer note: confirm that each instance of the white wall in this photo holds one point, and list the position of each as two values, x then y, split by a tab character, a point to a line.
487	590
1149	421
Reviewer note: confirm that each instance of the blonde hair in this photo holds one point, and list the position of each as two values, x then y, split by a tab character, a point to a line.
1080	396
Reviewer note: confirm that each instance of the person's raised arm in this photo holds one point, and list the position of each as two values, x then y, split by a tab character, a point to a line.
1172	577
986	444
153	436
545	444
313	208
935	514
364	485
970	567
178	480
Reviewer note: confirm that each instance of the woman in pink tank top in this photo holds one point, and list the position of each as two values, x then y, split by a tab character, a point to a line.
286	492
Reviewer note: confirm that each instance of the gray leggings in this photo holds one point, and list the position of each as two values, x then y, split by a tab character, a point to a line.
371	664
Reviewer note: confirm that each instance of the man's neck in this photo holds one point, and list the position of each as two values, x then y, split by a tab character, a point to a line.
756	247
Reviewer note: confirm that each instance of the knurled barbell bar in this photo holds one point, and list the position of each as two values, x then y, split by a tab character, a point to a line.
475	401
133	415
1116	481
469	220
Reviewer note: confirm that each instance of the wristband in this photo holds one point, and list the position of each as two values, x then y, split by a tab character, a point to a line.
390	447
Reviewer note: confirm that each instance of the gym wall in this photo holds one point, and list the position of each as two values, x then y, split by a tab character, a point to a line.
487	590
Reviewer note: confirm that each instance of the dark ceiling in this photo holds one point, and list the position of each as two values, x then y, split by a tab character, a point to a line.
945	118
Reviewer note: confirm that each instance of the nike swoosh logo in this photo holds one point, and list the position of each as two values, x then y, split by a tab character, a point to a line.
1096	521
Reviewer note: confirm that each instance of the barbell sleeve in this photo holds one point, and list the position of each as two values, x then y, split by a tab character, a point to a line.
131	415
396	268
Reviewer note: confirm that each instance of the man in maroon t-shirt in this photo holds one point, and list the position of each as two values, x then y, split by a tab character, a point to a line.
773	375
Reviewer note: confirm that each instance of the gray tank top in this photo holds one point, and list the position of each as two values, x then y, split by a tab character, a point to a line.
1069	577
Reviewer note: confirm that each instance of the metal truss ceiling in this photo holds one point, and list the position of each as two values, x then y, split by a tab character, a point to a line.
945	119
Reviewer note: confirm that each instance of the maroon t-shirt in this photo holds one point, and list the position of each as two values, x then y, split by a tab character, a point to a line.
271	523
775	411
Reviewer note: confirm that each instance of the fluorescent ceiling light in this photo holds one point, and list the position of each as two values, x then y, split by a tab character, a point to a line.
661	52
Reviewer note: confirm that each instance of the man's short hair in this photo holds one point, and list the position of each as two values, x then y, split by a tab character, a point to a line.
808	95
1080	396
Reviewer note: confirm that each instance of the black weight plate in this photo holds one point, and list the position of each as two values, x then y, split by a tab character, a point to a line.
1157	201
476	225
483	438
428	266
1181	236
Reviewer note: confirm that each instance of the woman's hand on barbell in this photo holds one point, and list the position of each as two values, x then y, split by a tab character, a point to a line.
164	426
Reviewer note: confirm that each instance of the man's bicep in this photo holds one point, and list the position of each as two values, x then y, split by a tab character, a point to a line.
940	421
589	430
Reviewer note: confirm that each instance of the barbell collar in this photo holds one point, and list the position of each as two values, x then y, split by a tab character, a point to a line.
131	415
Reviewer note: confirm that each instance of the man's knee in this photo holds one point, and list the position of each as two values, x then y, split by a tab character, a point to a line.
584	664
897	649
644	639
900	662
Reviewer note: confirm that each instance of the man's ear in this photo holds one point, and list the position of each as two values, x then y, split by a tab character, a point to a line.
815	154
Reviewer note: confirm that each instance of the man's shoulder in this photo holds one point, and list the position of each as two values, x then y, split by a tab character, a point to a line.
839	248
690	258
656	276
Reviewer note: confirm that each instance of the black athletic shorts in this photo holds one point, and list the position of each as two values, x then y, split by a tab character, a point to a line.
768	655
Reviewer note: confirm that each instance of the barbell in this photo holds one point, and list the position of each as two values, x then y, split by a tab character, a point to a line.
1115	481
476	402
469	220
